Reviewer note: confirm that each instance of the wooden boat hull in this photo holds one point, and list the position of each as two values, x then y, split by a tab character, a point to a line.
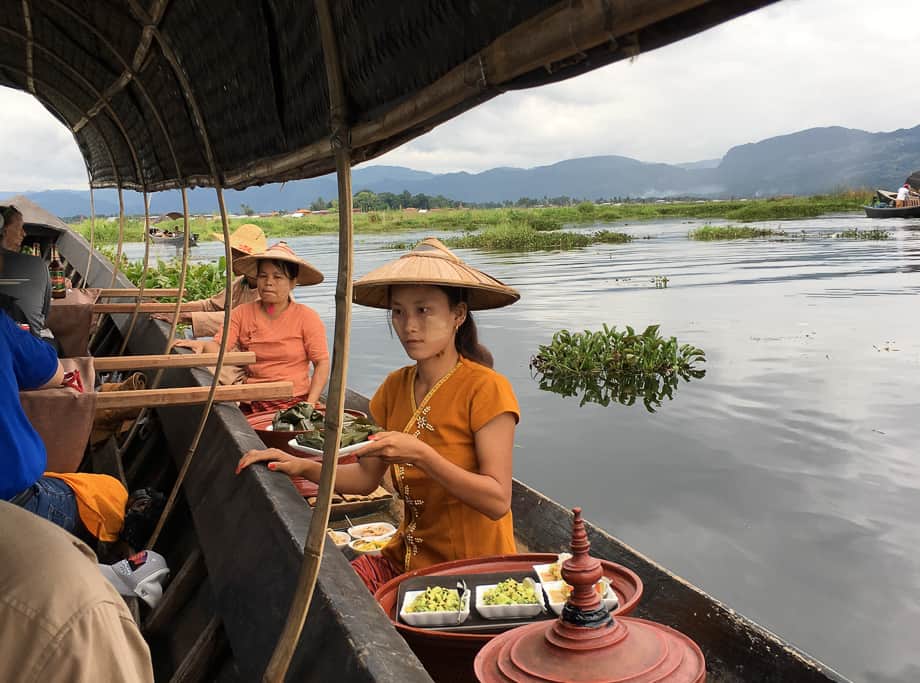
892	212
249	531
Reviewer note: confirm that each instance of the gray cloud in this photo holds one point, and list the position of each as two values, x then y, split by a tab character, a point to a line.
790	66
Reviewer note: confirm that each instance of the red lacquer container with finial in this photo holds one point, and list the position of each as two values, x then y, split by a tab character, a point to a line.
587	644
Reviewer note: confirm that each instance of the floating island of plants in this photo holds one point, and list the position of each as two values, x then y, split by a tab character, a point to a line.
617	366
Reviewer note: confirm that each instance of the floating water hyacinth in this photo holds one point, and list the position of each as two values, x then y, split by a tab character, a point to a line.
620	366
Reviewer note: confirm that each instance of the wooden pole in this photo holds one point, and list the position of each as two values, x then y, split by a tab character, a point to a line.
170	360
277	667
180	396
134	292
92	235
183	270
127	336
121	234
143	307
228	305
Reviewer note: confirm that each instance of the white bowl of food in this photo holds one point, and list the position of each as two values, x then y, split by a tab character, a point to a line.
435	606
372	530
558	592
510	599
340	538
369	546
548	573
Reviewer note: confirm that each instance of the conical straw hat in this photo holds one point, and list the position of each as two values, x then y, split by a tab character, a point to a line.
431	263
248	238
306	273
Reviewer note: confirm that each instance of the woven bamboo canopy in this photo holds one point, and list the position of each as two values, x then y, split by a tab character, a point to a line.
163	94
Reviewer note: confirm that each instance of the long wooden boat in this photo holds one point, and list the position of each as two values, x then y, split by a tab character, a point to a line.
175	239
892	211
143	86
236	544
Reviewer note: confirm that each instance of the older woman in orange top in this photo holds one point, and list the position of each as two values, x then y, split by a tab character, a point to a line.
450	418
287	337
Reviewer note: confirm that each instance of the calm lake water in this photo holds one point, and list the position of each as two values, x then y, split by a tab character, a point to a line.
785	482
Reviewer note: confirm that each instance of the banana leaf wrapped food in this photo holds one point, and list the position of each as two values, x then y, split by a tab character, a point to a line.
354	430
299	417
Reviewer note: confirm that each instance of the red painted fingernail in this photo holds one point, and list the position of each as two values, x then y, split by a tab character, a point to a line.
272	465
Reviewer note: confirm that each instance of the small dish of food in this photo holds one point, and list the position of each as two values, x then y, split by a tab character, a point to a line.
372	530
510	599
340	538
558	592
435	606
369	546
553	571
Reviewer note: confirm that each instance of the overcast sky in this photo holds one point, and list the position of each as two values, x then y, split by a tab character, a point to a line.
797	64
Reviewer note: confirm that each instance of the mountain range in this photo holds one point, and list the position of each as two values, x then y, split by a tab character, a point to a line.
807	162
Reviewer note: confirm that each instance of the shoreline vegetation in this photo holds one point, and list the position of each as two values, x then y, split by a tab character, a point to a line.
507	225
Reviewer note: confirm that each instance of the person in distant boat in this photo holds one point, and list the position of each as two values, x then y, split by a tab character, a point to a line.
33	294
206	315
450	419
903	195
287	337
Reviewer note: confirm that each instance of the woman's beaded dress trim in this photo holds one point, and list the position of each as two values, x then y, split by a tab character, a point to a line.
418	423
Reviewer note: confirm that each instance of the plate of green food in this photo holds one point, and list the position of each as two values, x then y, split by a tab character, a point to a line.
510	599
355	432
435	606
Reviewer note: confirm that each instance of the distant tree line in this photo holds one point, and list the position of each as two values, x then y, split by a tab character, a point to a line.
367	200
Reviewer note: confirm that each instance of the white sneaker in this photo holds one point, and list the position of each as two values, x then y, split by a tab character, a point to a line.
143	574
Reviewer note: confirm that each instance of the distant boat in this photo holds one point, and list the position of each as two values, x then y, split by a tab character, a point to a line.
175	238
885	206
893	212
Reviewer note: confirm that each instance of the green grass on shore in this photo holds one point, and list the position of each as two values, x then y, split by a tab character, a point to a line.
547	219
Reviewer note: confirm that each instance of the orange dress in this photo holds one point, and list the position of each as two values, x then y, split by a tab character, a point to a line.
437	526
284	347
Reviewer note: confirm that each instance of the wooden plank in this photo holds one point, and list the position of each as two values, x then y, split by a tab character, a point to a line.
152	398
144	307
202	654
178	592
172	360
116	292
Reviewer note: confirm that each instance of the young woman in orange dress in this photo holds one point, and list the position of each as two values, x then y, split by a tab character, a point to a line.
449	419
287	337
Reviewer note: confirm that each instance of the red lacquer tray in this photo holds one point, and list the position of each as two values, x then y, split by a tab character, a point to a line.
447	655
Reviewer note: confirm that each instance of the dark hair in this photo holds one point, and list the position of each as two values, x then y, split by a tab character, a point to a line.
8	212
291	270
467	338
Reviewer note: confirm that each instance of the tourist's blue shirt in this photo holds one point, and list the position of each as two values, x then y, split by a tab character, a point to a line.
25	363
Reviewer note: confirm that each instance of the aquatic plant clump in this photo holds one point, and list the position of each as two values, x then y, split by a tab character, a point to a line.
857	234
730	232
202	280
620	366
